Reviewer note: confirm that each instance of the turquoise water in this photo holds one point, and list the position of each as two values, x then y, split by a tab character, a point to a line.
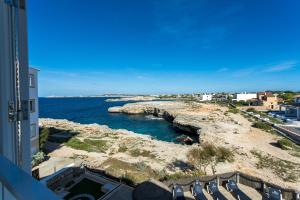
94	110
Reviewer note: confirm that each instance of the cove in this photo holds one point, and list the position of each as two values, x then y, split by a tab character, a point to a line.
88	110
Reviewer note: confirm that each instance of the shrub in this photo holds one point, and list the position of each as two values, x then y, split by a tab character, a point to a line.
128	179
122	148
287	144
262	125
209	155
233	110
250	110
37	158
143	153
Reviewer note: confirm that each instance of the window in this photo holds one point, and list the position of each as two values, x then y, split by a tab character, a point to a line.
33	130
32	105
31	80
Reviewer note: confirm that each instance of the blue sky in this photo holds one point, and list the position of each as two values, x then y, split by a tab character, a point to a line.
87	47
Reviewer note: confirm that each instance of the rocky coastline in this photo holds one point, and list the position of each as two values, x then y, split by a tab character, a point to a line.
132	98
169	110
212	123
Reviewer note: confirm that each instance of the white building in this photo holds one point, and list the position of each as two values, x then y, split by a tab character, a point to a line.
244	96
205	97
34	109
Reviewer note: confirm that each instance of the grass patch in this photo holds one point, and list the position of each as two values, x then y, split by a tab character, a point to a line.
286	170
47	134
143	153
88	145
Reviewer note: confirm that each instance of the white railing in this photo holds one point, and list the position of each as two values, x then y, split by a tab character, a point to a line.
20	184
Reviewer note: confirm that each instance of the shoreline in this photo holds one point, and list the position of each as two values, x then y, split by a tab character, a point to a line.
101	127
251	146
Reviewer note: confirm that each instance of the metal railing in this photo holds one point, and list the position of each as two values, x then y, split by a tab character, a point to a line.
20	184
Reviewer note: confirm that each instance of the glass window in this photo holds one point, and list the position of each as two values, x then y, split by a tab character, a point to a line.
32	130
32	105
31	80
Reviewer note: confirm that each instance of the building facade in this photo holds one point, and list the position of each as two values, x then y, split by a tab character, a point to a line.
33	109
269	100
297	99
205	97
244	96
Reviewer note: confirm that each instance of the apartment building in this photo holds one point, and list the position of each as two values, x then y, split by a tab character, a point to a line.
33	109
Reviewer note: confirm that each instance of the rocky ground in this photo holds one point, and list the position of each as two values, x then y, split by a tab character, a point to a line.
255	150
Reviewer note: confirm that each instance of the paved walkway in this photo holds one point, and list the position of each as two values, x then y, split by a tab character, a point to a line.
52	165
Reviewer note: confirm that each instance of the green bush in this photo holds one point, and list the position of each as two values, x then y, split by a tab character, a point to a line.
37	158
233	110
122	148
262	125
287	144
209	155
143	153
250	110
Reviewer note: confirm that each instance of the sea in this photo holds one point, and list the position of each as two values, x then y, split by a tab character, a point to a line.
88	110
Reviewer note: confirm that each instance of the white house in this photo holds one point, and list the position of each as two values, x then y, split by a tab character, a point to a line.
244	96
205	97
34	110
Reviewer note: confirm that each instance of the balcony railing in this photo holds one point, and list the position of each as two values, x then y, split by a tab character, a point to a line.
20	184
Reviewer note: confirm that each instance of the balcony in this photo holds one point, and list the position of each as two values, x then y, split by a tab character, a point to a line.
19	185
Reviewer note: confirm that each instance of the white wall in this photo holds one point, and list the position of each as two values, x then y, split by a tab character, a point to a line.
244	96
34	116
205	97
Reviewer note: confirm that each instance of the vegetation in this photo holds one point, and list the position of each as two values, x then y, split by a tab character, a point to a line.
88	145
143	153
47	134
241	103
251	110
263	126
286	170
179	175
122	148
37	158
132	173
287	144
287	96
233	110
209	155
